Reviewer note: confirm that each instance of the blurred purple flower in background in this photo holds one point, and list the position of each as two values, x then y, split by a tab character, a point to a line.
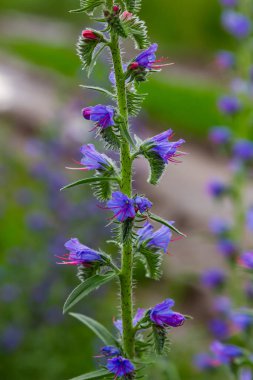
217	188
213	278
243	149
225	60
245	374
236	24
249	218
225	353
219	328
204	361
227	247
219	226
229	3
9	292
220	135
229	105
246	260
110	351
12	337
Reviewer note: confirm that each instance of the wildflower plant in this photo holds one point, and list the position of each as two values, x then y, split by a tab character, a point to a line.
232	322
138	334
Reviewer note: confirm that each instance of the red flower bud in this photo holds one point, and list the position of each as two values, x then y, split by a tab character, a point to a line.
116	9
126	16
133	66
89	35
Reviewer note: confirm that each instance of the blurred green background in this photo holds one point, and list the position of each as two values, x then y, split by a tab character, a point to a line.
41	131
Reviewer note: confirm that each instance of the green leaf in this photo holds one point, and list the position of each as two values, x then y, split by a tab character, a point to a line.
152	261
165	223
89	180
100	89
86	288
102	190
85	51
88	6
102	333
157	167
134	102
94	60
137	30
160	340
133	6
125	133
111	139
101	373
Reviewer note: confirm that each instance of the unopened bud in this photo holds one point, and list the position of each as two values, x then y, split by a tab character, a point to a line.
89	35
133	66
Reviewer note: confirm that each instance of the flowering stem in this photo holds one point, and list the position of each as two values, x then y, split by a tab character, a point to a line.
126	276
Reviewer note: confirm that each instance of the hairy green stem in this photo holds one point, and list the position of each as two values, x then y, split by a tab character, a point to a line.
126	276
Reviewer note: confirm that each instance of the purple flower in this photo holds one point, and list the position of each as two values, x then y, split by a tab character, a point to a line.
218	226
204	361
229	105
93	160
245	374
228	3
120	366
213	278
138	316
248	289
121	206
146	59
236	24
161	145
243	149
159	239
222	305
246	260
100	114
12	337
220	135
142	204
110	351
9	292
227	247
225	353
79	254
162	315
225	60
249	218
240	320
219	328
217	189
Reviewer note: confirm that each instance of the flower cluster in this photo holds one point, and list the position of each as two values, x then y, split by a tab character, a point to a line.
230	318
112	184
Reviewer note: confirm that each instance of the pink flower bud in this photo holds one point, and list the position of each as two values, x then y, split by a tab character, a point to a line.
126	16
89	35
116	9
133	66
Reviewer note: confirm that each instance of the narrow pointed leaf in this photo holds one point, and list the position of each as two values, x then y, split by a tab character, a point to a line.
165	223
99	89
89	180
100	374
126	134
102	333
94	60
86	288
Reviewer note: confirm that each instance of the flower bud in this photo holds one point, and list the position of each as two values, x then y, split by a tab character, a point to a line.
90	35
126	16
133	66
116	9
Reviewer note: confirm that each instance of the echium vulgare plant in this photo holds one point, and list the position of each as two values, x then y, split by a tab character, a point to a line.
140	332
232	322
